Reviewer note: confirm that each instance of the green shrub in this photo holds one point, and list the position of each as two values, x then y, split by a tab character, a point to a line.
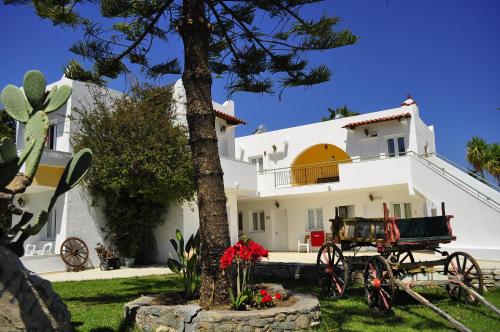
142	163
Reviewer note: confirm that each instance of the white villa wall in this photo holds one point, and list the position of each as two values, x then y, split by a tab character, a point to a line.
184	217
477	223
84	221
297	206
290	142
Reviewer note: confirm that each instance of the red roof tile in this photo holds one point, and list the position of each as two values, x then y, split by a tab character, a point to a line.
231	119
353	125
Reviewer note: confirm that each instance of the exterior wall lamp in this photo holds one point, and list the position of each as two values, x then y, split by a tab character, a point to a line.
370	197
277	204
223	128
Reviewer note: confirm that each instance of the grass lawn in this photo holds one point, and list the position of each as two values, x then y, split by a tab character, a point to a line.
98	306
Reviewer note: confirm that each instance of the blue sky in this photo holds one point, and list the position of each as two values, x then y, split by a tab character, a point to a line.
445	53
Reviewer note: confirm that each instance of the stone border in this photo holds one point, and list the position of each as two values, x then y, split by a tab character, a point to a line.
309	272
304	315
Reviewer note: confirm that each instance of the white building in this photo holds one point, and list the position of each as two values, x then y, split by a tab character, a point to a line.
356	164
283	184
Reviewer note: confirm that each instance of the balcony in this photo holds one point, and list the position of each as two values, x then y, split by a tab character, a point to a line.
239	175
307	175
354	174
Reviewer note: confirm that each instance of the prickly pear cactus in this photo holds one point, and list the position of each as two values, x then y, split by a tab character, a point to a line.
30	106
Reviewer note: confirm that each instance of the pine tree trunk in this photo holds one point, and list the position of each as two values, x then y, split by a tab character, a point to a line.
214	227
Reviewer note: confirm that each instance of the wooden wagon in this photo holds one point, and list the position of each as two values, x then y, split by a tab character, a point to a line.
395	240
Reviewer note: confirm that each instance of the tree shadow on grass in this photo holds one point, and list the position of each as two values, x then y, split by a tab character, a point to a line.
126	290
341	313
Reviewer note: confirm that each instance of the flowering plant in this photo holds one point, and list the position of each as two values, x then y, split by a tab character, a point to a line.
245	253
263	299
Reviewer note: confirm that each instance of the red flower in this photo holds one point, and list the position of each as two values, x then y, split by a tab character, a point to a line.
277	296
245	253
266	299
257	251
263	292
227	259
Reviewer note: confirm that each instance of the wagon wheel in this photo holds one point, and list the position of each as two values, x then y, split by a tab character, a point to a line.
399	258
380	289
74	252
332	270
463	267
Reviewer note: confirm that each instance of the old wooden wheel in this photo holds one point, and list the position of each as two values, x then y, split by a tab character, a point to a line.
380	289
74	252
332	270
397	258
463	268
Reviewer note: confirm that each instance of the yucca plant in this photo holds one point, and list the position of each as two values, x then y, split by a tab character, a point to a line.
187	264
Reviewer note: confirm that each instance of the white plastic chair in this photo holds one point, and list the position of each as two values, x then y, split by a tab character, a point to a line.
30	250
46	250
306	243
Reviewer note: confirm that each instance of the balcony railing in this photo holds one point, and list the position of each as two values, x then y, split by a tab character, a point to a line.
307	174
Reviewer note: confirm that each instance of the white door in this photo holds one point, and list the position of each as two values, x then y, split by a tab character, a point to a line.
280	230
369	148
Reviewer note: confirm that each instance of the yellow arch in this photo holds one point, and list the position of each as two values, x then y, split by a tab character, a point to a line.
318	164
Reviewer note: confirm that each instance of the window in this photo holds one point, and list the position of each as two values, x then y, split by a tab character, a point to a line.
259	221
52	225
314	219
240	222
392	150
346	212
50	143
258	162
402	210
401	146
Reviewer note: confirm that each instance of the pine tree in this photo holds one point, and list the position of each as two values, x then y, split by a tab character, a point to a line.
223	37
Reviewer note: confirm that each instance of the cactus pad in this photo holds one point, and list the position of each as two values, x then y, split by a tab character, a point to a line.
36	130
8	151
34	88
15	104
74	172
57	98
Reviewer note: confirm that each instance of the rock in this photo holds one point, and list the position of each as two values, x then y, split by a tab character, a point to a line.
27	302
302	322
280	317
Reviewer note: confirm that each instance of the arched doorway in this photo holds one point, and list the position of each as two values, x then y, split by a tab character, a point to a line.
318	164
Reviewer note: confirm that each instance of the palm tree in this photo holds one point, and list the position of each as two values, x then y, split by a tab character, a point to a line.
343	111
476	154
492	164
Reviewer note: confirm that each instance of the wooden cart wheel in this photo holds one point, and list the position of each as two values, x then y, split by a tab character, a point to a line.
332	271
74	252
463	267
379	283
399	258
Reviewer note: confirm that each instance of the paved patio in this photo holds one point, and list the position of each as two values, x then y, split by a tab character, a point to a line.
284	257
94	274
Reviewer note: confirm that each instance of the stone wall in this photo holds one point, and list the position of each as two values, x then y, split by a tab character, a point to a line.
303	315
308	272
